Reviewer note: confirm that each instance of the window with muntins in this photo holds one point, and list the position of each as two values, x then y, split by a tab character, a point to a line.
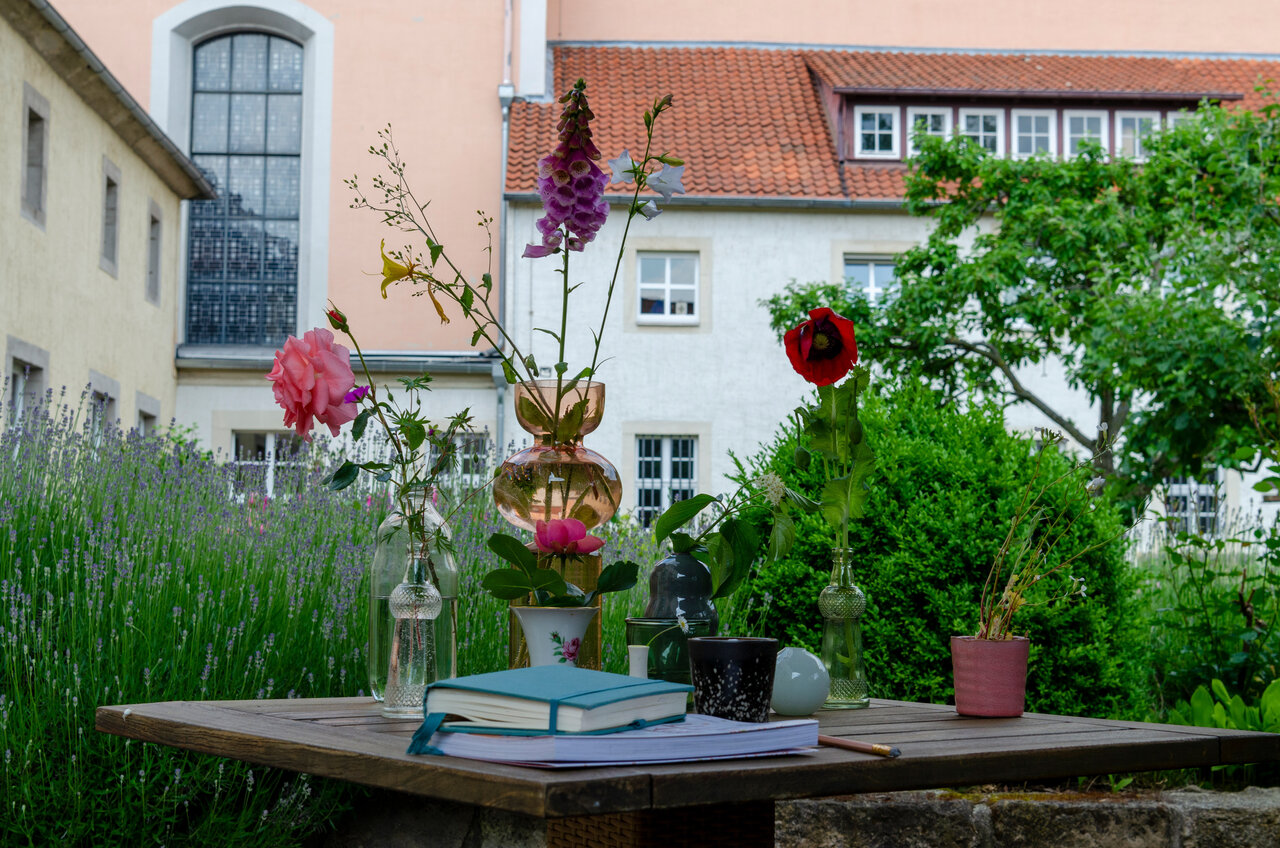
1084	128
257	457
1132	130
1192	505
985	127
666	472
35	154
668	288
26	386
873	277
927	120
877	131
246	136
1034	132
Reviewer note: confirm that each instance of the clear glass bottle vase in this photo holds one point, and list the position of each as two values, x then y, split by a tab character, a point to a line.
414	606
842	605
391	561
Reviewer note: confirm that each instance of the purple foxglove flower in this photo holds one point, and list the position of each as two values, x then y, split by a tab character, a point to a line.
570	182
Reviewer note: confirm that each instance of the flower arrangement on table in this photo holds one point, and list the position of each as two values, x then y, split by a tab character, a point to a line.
824	351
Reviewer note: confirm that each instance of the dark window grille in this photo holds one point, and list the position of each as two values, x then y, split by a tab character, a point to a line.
666	472
246	136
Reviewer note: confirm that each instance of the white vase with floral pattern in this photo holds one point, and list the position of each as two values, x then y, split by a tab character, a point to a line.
554	634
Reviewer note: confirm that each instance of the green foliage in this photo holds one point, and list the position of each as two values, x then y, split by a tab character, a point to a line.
938	508
1083	250
1216	707
1214	606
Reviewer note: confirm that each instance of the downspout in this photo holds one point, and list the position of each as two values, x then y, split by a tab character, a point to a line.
506	94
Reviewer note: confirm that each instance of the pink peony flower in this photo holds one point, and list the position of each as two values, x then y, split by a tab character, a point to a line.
570	182
312	376
570	649
565	537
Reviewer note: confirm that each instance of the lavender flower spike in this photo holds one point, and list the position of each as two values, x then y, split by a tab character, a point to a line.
570	182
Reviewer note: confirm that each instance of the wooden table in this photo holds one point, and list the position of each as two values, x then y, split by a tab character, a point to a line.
347	738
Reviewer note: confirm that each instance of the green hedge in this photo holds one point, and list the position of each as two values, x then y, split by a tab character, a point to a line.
945	486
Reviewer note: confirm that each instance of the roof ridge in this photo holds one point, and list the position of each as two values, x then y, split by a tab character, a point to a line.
921	51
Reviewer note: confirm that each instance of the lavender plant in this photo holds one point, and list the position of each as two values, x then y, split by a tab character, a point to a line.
128	574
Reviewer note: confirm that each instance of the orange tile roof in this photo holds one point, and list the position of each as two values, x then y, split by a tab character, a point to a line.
750	123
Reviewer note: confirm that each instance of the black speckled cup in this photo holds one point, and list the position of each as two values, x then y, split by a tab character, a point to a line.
733	676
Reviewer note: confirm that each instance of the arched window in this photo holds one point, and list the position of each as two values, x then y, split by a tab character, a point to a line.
246	135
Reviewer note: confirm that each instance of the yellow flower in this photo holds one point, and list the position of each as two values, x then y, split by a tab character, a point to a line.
393	272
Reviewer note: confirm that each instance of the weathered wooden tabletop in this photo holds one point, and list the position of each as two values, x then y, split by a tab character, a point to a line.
347	738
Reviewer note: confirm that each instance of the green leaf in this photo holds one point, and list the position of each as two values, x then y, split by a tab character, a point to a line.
1201	708
682	543
435	250
1220	690
531	412
486	280
571	420
362	421
739	552
414	433
344	476
513	551
509	373
781	536
476	336
548	580
678	514
617	577
507	583
467	299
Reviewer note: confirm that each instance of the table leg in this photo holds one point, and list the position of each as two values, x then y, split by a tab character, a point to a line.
746	825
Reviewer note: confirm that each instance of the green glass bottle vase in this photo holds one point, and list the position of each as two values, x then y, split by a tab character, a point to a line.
842	605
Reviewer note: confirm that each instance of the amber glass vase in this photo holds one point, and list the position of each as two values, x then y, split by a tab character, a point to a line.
557	477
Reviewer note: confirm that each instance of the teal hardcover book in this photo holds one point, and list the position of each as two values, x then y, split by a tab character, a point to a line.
549	699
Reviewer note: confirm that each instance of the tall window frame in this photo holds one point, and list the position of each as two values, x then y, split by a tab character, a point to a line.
1039	127
246	136
666	472
35	156
109	256
984	127
174	33
937	122
877	132
1076	129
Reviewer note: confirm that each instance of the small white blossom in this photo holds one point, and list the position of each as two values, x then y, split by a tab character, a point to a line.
623	169
649	210
774	489
668	181
1094	486
684	624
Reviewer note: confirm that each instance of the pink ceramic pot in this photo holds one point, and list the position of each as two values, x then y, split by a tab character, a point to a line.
990	677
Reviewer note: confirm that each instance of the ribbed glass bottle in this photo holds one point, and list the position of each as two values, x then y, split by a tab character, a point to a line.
842	605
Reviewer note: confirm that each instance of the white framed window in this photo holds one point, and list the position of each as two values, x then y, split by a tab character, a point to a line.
1082	127
1035	132
666	472
109	256
1173	118
1132	131
35	154
932	120
148	414
1192	505
26	386
876	132
667	288
984	127
258	455
873	276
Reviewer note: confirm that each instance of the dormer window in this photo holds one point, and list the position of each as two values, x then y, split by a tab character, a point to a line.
1035	131
1082	128
877	132
984	127
1132	131
930	120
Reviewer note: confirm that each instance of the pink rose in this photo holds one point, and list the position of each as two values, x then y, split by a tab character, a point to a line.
312	376
565	537
570	649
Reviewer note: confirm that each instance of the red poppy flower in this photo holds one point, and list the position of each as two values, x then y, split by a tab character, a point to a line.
822	349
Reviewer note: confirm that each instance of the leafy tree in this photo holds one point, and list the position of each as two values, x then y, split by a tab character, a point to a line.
1156	285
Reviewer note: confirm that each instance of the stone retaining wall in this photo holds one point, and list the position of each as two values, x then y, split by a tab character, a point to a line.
1186	818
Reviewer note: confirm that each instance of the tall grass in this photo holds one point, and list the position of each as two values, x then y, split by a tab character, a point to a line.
130	572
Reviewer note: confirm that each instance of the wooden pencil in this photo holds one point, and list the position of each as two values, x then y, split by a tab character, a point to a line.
855	745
